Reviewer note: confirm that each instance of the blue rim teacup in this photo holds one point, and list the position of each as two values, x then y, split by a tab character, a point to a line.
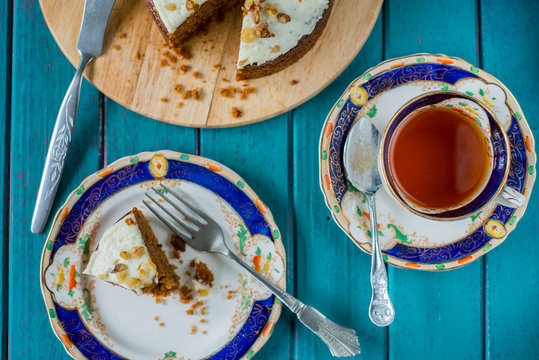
494	188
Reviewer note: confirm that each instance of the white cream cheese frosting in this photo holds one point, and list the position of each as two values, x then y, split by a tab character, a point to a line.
173	13
122	257
287	20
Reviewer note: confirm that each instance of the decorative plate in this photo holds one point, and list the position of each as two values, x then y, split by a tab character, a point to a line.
408	240
96	320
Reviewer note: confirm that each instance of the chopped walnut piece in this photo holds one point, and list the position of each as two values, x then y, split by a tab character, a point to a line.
143	274
121	276
132	282
271	10
119	267
276	49
262	31
191	6
283	18
124	255
247	35
236	113
170	7
138	251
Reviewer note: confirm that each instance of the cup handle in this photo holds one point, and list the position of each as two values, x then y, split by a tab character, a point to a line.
511	198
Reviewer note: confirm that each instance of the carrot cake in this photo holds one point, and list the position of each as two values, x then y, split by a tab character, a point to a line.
277	33
274	33
129	255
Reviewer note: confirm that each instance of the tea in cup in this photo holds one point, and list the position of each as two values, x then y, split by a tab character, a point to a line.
445	156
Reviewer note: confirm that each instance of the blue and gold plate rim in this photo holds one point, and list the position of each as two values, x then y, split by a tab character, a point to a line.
136	169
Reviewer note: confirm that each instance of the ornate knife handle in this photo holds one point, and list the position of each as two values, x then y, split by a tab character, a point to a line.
61	138
381	311
342	342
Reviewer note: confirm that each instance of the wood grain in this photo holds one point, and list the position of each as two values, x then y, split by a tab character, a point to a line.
439	313
512	271
5	70
140	85
332	273
260	154
40	77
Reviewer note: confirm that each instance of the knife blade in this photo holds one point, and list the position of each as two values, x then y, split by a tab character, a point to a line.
90	45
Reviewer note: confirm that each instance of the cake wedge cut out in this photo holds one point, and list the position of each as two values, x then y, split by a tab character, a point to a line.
178	20
129	255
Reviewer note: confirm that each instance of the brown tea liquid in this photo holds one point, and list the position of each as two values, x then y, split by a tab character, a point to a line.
439	158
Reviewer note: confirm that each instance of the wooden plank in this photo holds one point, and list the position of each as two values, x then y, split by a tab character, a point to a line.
40	76
127	133
5	88
347	29
439	313
332	273
510	52
260	154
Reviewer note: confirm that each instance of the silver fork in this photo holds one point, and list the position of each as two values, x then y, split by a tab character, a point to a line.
204	234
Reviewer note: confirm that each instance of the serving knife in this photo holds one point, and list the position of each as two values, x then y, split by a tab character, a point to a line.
90	46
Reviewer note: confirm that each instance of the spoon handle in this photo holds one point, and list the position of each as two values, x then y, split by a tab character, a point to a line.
381	309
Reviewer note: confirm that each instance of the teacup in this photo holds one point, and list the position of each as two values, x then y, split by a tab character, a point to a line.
497	161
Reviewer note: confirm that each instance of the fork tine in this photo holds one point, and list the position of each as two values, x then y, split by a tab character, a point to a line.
186	222
194	214
177	228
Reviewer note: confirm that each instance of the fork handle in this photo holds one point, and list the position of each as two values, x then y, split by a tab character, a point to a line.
342	342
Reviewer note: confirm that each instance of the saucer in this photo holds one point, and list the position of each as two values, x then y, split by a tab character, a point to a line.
95	319
408	240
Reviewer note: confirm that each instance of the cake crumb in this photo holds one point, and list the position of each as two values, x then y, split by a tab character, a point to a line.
184	68
246	91
177	242
196	75
190	312
203	274
188	273
215	66
163	63
196	94
116	47
236	113
180	104
122	35
202	321
156	318
170	57
178	89
161	324
185	294
164	99
203	310
193	329
193	262
183	53
294	82
186	94
225	80
204	332
138	56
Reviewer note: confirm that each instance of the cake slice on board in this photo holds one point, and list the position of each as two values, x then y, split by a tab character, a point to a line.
129	255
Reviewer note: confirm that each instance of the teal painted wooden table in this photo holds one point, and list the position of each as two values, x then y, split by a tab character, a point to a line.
488	309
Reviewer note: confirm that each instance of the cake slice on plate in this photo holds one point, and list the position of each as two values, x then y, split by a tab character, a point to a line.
277	33
179	19
129	255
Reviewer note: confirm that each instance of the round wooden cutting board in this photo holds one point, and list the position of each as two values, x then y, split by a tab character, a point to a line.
134	72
